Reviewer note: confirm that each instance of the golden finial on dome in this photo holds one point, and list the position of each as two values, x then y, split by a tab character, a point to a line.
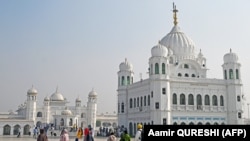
175	15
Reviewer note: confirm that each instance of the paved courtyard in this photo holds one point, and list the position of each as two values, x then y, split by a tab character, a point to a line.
27	138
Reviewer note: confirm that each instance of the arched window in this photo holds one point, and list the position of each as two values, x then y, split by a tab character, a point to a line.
6	130
179	74
138	102
231	74
221	101
225	74
16	128
141	101
128	80
145	101
207	100
156	68
215	103
130	128
190	99
239	114
134	102
237	74
174	98
62	122
118	107
193	75
26	129
238	98
198	99
39	123
163	68
122	107
39	114
186	75
186	66
148	100
135	128
182	99
130	103
123	80
71	122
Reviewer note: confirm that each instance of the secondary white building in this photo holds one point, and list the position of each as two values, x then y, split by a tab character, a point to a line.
54	112
177	90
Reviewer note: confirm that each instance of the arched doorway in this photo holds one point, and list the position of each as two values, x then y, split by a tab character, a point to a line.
6	130
114	125
15	131
26	129
62	122
39	124
130	128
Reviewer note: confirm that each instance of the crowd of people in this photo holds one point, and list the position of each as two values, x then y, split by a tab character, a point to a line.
87	134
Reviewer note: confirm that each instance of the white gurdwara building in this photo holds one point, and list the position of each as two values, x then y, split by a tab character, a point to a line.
54	112
177	90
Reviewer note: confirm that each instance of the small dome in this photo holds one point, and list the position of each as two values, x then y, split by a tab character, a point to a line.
230	57
46	98
66	112
56	96
78	99
126	66
32	91
159	51
181	44
92	93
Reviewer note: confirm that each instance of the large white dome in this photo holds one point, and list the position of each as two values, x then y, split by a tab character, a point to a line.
56	96
159	51
181	45
126	66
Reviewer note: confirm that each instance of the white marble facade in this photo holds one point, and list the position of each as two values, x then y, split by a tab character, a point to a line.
177	90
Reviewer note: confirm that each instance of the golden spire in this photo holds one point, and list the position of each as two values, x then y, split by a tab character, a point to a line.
175	15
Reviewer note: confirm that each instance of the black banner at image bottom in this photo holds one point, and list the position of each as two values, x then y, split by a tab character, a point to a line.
197	132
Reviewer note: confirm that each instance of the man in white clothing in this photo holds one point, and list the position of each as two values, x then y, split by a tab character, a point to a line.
138	133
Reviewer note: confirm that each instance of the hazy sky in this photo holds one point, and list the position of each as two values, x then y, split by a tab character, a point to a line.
78	45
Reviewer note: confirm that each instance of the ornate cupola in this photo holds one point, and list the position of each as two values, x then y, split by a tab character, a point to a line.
182	46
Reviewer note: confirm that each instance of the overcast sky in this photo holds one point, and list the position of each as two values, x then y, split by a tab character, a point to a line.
78	45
